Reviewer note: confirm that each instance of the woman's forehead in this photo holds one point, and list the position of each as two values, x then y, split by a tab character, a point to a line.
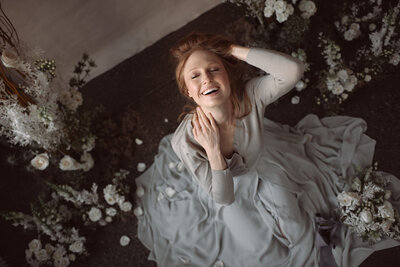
201	58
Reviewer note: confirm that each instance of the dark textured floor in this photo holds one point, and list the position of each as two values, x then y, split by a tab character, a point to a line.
143	87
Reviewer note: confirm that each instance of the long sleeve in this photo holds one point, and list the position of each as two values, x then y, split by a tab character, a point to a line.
284	72
217	183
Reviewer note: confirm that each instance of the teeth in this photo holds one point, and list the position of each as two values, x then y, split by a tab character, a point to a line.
209	91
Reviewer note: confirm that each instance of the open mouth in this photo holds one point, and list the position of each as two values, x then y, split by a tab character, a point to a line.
210	91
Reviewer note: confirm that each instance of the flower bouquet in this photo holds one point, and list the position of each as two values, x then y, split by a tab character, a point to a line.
366	209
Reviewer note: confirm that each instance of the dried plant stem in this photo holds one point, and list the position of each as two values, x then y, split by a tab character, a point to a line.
7	30
12	89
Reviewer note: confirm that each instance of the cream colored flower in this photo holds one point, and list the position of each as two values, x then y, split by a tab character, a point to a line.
87	161
126	206
342	75
268	11
94	214
367	78
111	211
366	216
141	166
348	198
386	211
35	245
280	6
108	219
10	59
69	164
337	89
140	191
77	246
138	211
40	161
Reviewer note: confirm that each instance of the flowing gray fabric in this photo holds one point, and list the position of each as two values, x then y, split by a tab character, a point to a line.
295	179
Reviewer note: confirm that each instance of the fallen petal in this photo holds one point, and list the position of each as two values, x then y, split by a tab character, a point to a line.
124	240
170	191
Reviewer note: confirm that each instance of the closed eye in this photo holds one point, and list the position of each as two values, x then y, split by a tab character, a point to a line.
194	76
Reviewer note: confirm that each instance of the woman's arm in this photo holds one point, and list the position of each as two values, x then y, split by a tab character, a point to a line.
285	71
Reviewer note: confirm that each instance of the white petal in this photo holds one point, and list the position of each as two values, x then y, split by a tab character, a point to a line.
141	166
170	191
124	240
172	165
138	211
219	263
140	191
138	141
295	100
161	196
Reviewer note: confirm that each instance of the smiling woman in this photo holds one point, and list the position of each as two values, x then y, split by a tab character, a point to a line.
252	188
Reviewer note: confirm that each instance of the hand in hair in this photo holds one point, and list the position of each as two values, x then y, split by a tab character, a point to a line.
206	133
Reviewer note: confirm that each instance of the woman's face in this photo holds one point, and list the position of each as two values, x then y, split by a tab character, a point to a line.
206	79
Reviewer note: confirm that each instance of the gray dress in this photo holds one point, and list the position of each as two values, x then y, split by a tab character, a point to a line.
278	175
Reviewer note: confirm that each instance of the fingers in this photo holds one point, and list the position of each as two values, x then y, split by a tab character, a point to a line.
203	119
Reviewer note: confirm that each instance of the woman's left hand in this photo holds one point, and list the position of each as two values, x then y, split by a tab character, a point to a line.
206	131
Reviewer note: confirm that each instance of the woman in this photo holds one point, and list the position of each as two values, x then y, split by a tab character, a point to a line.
251	188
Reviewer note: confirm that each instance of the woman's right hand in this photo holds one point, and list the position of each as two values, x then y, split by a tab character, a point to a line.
206	131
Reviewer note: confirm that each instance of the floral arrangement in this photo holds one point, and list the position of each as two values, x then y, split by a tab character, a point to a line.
261	9
68	212
366	208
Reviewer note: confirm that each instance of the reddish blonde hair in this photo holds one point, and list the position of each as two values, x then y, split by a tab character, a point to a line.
220	46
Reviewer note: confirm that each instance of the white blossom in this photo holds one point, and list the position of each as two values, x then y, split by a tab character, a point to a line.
108	219
395	59
141	166
126	206
386	211
308	8
295	100
111	211
140	191
77	246
138	211
170	192
40	161
124	240
300	85
366	216
337	89
69	164
35	245
94	214
348	198
367	78
10	58
138	141
87	161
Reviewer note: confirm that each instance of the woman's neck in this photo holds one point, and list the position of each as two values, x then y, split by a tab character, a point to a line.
222	115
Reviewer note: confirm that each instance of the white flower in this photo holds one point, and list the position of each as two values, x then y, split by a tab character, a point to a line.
140	191
350	83
289	9
77	246
356	184
180	167
35	245
108	219
62	262
386	224
124	240
141	166
395	59
42	255
170	192
353	32
308	8
372	27
281	17
348	198
295	100
138	211
126	206
344	96
300	85
367	78
40	161
366	216
138	141
110	194
87	160
388	194
342	75
345	20
337	89
49	248
386	211
268	11
280	6
111	211
94	214
59	253
69	164
10	59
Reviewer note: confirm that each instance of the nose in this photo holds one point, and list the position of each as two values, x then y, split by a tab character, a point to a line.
207	77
